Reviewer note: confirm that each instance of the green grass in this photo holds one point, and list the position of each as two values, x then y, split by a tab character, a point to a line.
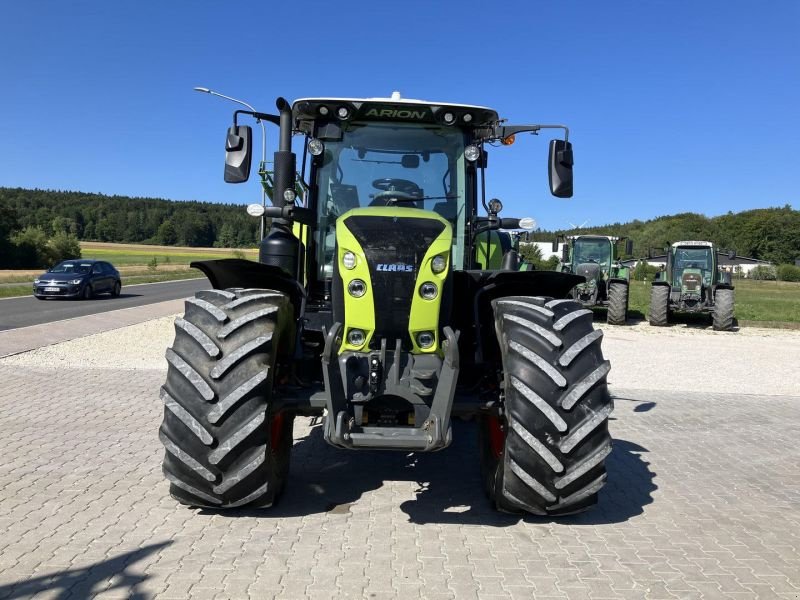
777	301
25	290
15	290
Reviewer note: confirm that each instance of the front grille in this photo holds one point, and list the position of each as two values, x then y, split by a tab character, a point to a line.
391	243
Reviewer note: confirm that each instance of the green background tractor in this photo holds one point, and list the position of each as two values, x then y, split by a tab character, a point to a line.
373	306
595	258
693	283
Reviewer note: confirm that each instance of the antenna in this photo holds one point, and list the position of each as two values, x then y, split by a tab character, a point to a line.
581	226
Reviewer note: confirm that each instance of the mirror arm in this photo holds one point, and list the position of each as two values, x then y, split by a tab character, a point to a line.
306	216
500	132
259	116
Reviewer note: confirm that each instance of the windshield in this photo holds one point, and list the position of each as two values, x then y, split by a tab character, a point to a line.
692	258
592	251
380	164
70	267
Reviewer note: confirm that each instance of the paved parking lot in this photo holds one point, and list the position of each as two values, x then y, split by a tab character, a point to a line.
703	501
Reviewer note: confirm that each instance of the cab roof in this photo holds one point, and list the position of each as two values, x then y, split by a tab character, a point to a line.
693	243
394	108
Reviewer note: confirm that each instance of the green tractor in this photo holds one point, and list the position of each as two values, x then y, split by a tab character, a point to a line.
373	306
606	282
693	283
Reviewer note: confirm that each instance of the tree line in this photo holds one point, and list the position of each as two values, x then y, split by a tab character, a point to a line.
771	234
49	219
55	218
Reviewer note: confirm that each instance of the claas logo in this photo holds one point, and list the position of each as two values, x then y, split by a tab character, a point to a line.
395	267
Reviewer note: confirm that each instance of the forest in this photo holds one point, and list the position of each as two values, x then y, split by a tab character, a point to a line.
771	234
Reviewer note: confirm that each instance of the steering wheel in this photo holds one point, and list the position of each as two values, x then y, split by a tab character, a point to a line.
398	190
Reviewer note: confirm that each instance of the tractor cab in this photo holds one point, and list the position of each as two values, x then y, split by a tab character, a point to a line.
592	256
693	266
375	156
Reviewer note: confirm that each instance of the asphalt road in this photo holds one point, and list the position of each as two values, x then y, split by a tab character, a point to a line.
26	311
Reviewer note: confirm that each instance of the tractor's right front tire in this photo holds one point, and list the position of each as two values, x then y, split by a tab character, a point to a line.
659	305
546	453
617	303
225	444
723	310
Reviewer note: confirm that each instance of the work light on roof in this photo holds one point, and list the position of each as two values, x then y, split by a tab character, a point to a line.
323	110
472	153
467	118
343	112
449	118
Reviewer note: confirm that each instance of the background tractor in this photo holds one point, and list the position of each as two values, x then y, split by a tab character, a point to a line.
595	258
693	282
374	306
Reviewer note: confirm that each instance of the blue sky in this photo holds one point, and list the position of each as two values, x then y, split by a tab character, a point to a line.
673	105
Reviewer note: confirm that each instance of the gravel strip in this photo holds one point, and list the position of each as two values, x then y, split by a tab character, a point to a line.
675	358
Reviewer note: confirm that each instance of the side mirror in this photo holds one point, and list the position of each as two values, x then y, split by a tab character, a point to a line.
565	253
410	161
555	245
629	247
732	254
560	168
238	153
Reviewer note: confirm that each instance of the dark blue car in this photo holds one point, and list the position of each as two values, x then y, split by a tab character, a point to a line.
78	278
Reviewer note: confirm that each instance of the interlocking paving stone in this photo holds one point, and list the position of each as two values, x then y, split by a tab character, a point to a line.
702	502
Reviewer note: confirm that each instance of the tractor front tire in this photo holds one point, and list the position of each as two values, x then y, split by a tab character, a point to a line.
617	303
723	310
659	305
225	444
546	453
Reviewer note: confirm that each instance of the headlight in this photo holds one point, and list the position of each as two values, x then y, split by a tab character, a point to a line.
438	264
357	288
355	337
349	260
75	281
36	281
425	339
428	290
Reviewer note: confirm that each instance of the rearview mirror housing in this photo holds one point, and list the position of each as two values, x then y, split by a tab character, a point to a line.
732	254
555	246
238	153
629	247
410	161
565	253
560	163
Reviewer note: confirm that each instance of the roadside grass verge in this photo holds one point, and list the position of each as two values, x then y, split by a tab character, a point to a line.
12	291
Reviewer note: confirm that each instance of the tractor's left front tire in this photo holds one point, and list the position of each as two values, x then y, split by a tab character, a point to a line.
545	453
617	303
